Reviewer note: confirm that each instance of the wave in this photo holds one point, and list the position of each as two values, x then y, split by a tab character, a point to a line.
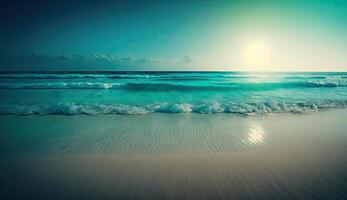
168	75
162	87
50	76
61	85
105	75
203	108
76	76
329	83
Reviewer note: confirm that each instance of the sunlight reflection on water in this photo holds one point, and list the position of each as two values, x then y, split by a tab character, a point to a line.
255	136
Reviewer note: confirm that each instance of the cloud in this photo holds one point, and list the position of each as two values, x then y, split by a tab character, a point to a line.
187	59
127	59
96	61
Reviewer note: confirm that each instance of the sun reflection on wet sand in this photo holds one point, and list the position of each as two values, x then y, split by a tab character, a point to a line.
255	136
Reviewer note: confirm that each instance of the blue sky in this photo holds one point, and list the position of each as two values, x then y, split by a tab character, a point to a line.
303	35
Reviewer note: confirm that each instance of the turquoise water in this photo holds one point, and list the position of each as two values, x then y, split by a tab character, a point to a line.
70	93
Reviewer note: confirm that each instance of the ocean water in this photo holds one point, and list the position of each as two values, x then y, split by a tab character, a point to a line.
69	93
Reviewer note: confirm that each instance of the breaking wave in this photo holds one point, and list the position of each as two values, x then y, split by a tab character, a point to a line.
203	108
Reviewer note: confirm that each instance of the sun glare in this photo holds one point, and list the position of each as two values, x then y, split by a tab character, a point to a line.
257	54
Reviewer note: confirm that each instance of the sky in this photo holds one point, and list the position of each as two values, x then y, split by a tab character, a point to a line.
239	35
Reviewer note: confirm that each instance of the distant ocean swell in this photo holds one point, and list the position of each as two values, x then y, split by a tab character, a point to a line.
176	86
204	108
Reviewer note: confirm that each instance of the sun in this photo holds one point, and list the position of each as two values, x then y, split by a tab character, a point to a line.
257	54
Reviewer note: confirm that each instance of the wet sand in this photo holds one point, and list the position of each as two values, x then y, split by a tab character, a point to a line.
174	156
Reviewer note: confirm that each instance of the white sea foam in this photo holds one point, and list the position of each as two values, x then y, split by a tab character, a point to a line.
330	82
62	85
204	108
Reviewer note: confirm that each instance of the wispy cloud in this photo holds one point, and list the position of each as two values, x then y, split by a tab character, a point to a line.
96	61
187	59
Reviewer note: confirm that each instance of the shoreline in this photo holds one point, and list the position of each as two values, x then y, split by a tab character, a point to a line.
158	132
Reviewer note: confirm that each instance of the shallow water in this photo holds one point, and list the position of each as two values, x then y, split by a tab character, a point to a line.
174	156
162	133
69	93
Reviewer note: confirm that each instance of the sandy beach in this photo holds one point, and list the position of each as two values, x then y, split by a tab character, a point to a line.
173	100
174	156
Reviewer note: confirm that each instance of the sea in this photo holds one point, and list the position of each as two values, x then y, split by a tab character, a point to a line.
133	93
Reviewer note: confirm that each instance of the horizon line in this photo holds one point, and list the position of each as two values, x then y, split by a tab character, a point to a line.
169	71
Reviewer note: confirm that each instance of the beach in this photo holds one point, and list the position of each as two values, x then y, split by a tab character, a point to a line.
173	100
174	156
